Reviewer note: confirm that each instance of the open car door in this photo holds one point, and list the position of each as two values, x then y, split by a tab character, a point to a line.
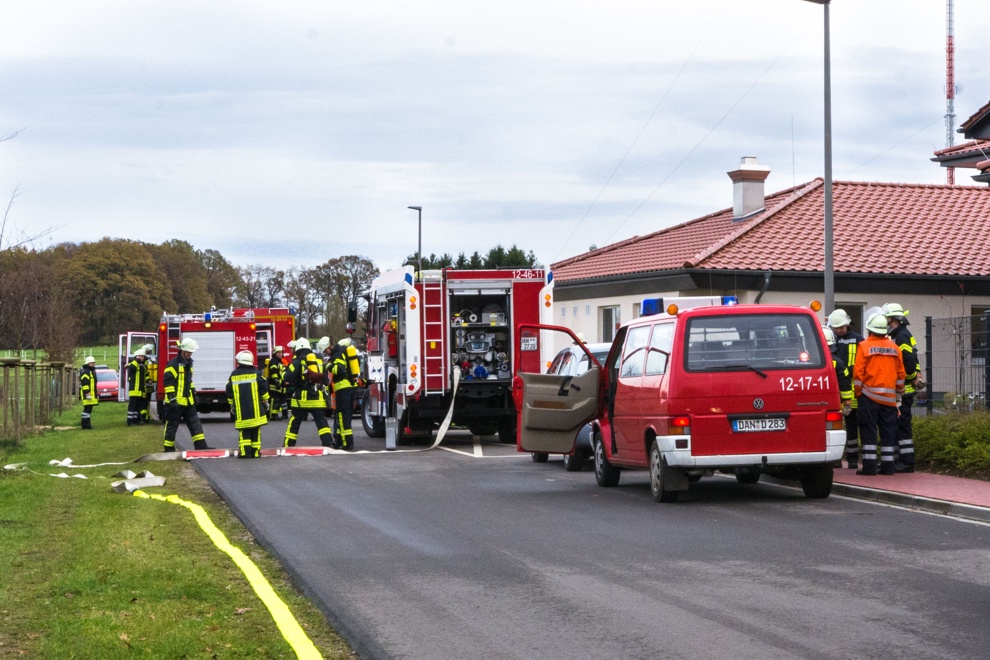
127	344
552	408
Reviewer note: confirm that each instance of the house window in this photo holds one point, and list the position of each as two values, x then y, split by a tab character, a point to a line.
611	319
563	311
575	311
587	310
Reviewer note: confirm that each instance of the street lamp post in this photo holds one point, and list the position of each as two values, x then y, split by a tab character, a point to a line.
419	245
829	264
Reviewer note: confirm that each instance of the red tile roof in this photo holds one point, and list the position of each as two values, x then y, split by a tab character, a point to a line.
973	147
977	117
889	228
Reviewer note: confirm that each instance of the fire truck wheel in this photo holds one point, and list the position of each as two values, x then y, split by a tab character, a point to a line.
482	429
816	481
372	424
606	474
540	457
747	477
660	476
507	430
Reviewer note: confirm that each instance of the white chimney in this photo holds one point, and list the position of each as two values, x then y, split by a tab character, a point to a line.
747	187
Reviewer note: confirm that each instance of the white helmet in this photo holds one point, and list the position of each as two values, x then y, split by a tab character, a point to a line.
188	345
346	341
148	349
877	324
141	352
89	360
322	344
279	349
829	336
838	318
893	310
245	357
300	344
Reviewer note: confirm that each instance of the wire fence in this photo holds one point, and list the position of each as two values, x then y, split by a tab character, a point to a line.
956	362
31	393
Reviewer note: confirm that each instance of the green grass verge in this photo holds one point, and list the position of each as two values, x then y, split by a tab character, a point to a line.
89	573
953	443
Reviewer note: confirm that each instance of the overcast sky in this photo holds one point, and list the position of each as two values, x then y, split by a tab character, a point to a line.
288	133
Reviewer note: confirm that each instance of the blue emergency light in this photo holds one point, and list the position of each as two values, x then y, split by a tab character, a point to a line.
730	300
651	306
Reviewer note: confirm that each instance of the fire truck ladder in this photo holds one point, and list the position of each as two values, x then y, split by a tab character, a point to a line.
434	324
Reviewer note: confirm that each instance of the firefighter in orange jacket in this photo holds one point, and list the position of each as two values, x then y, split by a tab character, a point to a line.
878	379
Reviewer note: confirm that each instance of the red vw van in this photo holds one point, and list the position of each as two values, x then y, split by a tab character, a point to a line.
740	389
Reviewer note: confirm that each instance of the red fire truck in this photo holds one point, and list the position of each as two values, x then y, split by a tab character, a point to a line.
431	329
221	334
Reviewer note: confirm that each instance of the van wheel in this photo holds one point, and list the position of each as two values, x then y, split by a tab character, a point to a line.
540	457
659	476
816	481
606	474
747	477
574	462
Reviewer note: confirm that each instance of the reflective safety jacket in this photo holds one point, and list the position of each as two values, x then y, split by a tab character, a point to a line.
137	377
909	353
879	370
247	390
87	386
178	381
305	380
274	373
846	346
844	376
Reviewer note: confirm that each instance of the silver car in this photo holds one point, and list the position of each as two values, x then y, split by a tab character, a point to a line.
572	361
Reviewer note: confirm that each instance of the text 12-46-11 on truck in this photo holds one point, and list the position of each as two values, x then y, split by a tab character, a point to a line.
221	334
446	338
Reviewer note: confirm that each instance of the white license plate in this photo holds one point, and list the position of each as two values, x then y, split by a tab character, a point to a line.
751	425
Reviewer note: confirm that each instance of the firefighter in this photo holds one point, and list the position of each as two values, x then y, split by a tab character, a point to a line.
87	390
305	381
847	341
878	379
274	373
346	370
137	377
150	383
247	394
898	331
842	373
180	397
325	352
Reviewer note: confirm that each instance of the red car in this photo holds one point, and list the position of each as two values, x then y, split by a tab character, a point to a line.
107	386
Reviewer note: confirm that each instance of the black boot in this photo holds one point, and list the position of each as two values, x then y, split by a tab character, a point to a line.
201	445
170	449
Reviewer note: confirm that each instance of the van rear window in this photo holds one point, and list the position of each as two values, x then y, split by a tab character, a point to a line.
737	342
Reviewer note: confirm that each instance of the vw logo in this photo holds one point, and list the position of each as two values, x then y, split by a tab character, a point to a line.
758	403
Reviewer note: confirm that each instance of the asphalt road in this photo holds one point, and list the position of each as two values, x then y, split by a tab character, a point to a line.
475	551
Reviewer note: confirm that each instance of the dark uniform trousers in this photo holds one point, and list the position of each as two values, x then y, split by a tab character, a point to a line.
877	420
175	415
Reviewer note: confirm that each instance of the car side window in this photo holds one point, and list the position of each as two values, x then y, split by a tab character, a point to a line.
567	365
661	341
634	352
555	365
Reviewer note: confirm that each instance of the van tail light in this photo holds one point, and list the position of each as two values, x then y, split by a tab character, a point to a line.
834	421
680	425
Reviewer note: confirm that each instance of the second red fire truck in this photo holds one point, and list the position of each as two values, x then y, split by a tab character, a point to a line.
221	334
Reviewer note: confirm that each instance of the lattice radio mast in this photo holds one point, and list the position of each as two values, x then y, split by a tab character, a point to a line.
950	87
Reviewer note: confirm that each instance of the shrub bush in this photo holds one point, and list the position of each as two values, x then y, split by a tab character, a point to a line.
953	443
